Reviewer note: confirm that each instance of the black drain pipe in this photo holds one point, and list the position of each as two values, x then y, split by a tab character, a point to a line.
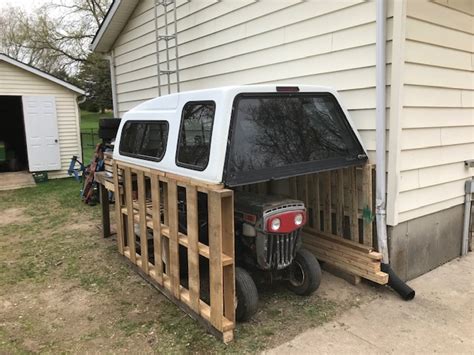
400	287
394	281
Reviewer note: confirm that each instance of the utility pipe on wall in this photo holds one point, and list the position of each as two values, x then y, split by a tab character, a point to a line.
469	190
380	179
380	182
113	83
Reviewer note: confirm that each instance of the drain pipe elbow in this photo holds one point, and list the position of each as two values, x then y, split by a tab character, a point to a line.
397	284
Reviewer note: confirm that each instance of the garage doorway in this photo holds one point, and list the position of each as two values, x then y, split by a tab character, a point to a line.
13	147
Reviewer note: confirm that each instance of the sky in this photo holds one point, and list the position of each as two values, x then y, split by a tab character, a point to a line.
28	5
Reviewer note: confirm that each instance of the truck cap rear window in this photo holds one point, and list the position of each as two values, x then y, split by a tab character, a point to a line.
281	135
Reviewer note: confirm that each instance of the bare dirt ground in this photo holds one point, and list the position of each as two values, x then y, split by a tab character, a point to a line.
64	289
12	216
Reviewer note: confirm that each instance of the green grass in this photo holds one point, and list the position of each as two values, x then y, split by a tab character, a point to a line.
90	120
89	130
52	249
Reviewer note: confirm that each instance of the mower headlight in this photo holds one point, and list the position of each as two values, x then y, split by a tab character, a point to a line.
275	224
299	219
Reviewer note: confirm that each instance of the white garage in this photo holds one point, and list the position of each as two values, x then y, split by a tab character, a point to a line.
39	120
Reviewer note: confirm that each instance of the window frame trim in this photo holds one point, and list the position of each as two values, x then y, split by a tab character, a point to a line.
146	157
186	165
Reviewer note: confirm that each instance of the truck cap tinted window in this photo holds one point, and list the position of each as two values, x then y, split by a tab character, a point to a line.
280	135
144	139
195	135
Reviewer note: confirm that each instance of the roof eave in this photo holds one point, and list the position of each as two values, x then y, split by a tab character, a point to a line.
42	74
112	25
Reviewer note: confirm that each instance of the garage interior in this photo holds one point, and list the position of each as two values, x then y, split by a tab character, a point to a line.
13	148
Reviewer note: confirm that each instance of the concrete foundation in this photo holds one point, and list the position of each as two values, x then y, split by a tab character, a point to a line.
422	244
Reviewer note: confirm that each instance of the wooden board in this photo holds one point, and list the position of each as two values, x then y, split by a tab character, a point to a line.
193	247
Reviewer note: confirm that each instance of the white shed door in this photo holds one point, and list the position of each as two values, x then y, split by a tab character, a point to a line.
41	127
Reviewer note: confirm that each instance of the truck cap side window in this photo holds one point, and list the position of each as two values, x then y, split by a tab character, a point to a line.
144	139
195	135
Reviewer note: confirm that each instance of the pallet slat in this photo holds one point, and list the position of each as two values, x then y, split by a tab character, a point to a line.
156	226
193	247
142	221
129	208
118	211
215	256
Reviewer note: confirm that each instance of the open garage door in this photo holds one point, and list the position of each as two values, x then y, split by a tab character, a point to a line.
41	127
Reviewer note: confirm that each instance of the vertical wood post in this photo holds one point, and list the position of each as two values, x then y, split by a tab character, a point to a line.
367	201
173	240
339	202
142	215
215	258
313	192
130	220
327	201
156	217
227	205
354	205
193	246
118	209
104	204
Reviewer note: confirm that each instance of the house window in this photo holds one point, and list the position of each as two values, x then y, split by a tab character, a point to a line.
195	135
144	139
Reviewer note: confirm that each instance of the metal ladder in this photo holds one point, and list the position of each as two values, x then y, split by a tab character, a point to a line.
166	37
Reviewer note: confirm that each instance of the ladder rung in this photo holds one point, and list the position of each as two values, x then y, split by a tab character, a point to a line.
167	72
165	2
167	37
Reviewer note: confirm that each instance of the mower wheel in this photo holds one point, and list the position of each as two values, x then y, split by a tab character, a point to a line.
305	273
247	295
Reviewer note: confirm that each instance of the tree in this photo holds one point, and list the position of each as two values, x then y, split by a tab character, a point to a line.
25	36
56	38
94	78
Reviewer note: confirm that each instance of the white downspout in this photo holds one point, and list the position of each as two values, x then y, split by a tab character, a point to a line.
113	84
380	177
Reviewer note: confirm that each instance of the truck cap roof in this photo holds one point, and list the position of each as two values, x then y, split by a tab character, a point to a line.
169	109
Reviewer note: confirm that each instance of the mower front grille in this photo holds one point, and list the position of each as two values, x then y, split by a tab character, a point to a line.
281	249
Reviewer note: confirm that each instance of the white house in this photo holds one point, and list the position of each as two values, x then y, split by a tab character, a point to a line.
39	119
428	69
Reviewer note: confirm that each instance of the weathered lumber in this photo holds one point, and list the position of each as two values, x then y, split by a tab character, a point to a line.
354	258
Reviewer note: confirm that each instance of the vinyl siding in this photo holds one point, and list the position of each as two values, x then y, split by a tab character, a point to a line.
328	43
248	42
438	107
18	82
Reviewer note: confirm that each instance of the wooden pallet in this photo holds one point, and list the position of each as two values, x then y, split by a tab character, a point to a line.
150	200
340	207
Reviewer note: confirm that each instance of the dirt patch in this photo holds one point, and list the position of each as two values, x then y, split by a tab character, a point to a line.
60	311
83	226
14	215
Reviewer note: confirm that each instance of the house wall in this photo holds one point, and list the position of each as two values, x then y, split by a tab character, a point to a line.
435	135
18	82
437	120
248	42
330	43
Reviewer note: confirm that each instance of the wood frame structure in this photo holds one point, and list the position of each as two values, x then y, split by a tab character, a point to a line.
340	207
340	231
148	235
